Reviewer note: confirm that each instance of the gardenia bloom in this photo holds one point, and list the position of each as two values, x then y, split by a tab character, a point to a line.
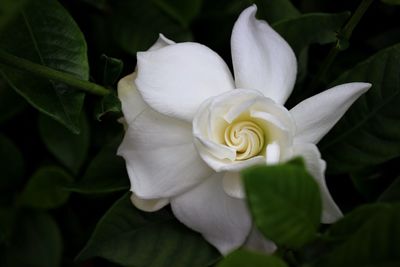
191	128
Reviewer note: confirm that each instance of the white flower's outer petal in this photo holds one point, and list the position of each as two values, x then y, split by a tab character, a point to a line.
222	220
160	156
257	242
233	186
148	205
273	153
316	167
131	101
176	79
262	60
315	116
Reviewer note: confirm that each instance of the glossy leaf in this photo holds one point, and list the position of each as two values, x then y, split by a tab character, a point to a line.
368	236
69	148
241	258
45	189
310	28
106	173
129	237
284	201
46	34
11	165
36	241
368	134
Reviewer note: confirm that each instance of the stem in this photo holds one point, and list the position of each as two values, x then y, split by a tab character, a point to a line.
46	72
343	35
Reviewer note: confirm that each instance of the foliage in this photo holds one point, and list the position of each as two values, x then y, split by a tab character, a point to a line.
64	191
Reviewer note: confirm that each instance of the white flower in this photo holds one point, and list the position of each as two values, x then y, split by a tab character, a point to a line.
192	127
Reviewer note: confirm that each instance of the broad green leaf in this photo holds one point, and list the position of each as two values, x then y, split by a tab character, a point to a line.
136	25
69	148
111	70
36	241
284	201
11	165
368	236
10	102
129	237
310	28
106	172
9	9
108	104
45	33
45	189
276	10
182	11
242	258
368	134
392	193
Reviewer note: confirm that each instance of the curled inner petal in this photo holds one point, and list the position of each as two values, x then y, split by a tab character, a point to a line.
246	137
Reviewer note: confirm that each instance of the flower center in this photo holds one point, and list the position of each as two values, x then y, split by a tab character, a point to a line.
246	137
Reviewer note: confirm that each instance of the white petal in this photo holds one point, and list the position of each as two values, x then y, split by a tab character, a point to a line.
316	115
160	156
131	101
148	205
316	167
223	221
262	60
161	42
176	79
232	183
257	242
273	153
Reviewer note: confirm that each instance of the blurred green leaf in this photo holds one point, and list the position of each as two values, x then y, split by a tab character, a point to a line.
69	148
45	189
284	201
46	34
182	11
11	165
392	193
111	70
129	237
368	134
8	10
311	28
10	102
276	10
391	2
36	242
368	236
106	172
137	24
242	258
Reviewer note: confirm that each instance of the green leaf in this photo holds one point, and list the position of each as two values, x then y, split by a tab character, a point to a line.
136	25
392	193
45	33
111	70
182	11
45	189
129	237
8	10
391	2
108	104
368	134
36	242
276	10
106	172
10	102
241	258
368	236
311	28
11	165
284	201
69	148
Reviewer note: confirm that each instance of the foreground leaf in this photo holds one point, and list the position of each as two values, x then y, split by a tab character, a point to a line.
45	188
241	258
36	241
284	201
368	134
368	236
45	33
129	237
